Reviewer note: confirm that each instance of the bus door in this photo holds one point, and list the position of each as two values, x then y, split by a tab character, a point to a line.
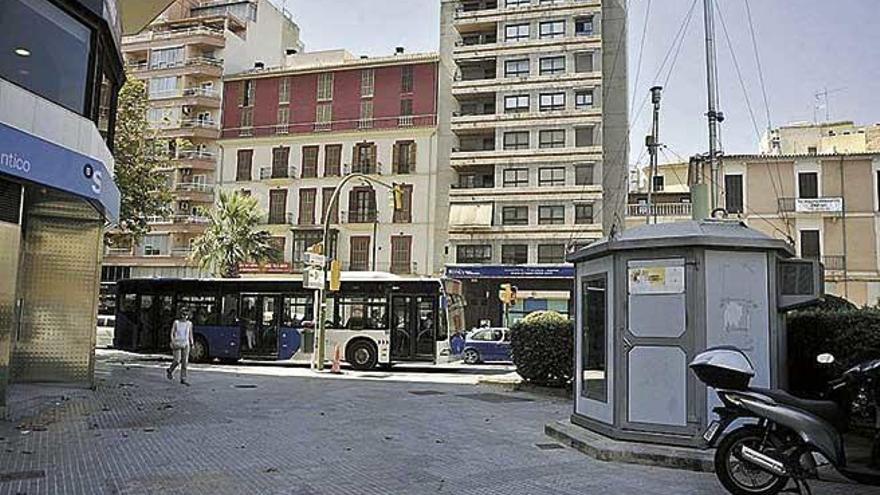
413	328
259	325
295	311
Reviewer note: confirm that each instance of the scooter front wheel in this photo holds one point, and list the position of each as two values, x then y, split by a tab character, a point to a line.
740	477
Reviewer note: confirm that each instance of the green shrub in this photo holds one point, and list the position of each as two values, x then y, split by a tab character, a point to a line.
542	347
851	335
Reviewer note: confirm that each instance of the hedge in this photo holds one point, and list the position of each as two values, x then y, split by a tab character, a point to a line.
851	335
542	347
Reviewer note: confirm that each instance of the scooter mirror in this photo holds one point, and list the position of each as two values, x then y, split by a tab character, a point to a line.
825	358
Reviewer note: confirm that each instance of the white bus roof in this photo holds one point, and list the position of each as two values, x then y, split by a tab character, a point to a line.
346	277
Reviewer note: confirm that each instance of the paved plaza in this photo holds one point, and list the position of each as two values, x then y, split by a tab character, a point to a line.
276	430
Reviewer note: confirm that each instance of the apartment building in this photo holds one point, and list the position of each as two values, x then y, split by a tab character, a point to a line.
533	122
183	56
826	205
821	138
293	133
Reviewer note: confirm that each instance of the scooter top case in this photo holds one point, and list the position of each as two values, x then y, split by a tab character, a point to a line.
724	367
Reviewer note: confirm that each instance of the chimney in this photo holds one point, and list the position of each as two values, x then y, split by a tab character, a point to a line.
364	57
291	51
399	50
259	65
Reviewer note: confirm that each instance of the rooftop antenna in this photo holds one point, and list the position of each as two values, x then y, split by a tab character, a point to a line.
822	100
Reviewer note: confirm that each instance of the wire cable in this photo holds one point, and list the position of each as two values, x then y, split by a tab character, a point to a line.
758	62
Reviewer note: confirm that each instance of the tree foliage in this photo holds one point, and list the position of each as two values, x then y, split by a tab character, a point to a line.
233	236
143	189
542	347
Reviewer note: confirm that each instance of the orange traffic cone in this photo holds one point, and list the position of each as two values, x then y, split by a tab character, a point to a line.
337	357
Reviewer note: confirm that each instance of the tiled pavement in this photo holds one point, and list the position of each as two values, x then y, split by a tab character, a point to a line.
248	433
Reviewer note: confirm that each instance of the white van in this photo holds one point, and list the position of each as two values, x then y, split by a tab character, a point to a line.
105	330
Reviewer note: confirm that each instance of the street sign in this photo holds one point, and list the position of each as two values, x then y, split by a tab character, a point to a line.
313	259
313	278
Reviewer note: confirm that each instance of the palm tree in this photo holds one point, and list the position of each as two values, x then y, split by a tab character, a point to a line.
233	237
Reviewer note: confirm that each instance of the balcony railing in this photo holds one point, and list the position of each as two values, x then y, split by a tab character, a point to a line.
184	93
195	155
392	122
194	187
832	205
471	6
402	268
279	219
836	263
176	33
277	173
660	209
189	62
181	252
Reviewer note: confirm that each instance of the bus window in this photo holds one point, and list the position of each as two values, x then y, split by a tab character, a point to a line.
425	337
296	310
230	310
362	313
203	310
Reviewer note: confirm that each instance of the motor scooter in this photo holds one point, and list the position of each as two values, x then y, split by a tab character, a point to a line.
767	438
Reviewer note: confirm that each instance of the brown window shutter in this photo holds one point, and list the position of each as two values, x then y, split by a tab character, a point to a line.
373	162
241	91
355	159
395	158
352	205
412	157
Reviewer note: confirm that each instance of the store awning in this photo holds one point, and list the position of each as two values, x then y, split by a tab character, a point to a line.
471	215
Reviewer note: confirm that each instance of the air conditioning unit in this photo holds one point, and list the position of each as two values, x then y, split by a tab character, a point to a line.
799	283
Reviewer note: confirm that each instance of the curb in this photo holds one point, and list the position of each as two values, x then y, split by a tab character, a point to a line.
607	449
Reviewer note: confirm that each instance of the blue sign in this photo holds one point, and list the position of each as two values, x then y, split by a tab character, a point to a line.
509	271
42	162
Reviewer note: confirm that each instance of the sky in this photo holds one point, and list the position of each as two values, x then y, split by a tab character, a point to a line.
804	47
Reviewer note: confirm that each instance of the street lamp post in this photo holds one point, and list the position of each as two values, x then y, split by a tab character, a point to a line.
322	292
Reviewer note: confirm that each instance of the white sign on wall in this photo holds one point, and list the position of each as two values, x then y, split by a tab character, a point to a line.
656	279
819	205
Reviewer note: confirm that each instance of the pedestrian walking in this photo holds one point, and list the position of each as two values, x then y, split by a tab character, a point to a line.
181	341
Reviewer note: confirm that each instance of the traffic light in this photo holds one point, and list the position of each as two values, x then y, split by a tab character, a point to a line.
506	293
335	275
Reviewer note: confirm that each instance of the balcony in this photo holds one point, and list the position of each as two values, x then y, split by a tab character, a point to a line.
834	263
467	7
178	219
478	38
267	173
202	66
476	71
190	128
391	122
400	268
201	35
193	97
660	210
830	206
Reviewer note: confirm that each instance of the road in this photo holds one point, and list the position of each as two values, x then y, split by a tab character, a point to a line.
279	430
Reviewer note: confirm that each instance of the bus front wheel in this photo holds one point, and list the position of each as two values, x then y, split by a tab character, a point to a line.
198	353
362	355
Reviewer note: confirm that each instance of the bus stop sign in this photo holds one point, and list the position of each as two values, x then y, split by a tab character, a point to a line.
313	278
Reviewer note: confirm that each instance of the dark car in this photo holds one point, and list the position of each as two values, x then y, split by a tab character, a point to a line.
487	344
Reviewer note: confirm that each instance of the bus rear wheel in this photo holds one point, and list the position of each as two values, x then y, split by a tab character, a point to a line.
362	355
198	353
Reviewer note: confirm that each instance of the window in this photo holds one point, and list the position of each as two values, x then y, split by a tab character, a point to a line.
284	90
277	206
164	87
516	32
594	364
246	98
554	138
474	181
326	196
516	140
307	198
516	103
473	253
583	213
361	313
406	79
247	118
551	253
359	253
304	239
283	117
297	310
811	150
659	182
583	136
404	213
514	254
808	185
325	86
403	160
368	78
551	215
362	205
406	107
583	26
332	160
733	193
366	115
58	69
552	65
205	310
810	244
583	174
364	158
516	177
278	243
310	161
166	57
401	254
280	161
517	3
155	245
583	62
583	99
515	215
516	68
551	176
243	166
552	29
552	101
324	114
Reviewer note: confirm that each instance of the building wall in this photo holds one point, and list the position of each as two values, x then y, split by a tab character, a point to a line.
265	40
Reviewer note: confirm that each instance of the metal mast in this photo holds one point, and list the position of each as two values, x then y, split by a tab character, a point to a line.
653	142
714	116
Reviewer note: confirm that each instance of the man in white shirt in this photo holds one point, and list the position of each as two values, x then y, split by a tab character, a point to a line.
181	341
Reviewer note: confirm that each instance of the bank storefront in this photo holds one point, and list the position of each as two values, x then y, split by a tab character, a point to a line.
60	70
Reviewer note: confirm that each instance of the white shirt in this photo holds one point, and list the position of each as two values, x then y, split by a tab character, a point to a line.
181	333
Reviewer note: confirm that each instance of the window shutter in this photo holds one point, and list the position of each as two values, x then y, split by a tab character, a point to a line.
412	157
352	205
395	158
373	162
242	89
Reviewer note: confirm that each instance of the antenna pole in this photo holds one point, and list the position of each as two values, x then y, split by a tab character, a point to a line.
713	115
653	142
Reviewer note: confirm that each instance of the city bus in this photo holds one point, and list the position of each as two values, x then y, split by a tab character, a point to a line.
375	319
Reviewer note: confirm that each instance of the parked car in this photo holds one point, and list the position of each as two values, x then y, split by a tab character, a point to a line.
487	344
104	332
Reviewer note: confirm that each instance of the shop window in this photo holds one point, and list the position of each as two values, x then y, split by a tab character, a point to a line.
474	253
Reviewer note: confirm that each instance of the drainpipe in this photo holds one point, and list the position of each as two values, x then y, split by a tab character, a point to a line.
843	228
